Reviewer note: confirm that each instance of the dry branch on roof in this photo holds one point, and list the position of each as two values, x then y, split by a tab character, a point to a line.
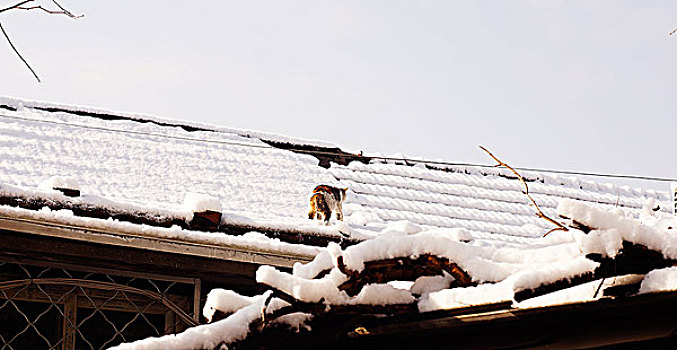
539	213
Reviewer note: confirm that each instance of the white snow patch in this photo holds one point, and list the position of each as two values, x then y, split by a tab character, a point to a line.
460	297
401	227
630	229
225	301
322	261
65	182
406	285
429	284
605	242
308	290
659	280
199	202
382	294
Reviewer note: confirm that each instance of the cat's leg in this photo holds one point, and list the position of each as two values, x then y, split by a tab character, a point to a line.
339	211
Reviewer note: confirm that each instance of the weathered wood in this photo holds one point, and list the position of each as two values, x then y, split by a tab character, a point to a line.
70	321
91	298
208	220
325	155
219	315
170	322
68	192
622	291
401	269
197	291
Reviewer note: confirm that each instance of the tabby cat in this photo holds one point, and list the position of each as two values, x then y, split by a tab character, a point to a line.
324	200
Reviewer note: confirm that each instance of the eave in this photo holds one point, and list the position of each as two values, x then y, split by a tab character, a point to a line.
604	322
136	239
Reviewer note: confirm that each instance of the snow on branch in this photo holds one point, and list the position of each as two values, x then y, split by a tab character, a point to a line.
27	5
539	213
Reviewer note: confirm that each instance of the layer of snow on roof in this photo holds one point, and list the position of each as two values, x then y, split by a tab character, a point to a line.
150	164
163	210
21	104
485	201
154	164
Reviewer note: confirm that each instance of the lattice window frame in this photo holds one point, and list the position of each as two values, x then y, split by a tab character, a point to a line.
102	291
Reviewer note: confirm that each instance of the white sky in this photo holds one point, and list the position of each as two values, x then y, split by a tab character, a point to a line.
577	85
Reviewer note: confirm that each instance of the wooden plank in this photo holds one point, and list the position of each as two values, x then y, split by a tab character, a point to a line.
196	300
101	299
131	237
88	268
70	321
170	322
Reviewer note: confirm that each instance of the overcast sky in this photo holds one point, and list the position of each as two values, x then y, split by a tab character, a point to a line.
576	85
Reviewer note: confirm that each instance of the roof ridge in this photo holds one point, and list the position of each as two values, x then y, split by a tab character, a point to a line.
14	103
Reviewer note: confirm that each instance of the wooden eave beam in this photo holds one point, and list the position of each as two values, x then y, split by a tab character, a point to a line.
129	238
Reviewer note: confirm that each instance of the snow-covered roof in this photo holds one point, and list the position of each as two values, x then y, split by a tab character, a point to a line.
149	175
148	164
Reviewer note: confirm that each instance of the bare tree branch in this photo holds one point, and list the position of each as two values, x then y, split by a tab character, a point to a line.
18	54
673	31
66	11
20	6
15	6
51	12
540	214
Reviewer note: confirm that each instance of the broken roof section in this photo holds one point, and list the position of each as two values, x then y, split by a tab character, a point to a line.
131	167
414	286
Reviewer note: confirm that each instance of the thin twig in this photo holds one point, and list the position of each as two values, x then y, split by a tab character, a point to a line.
17	53
19	6
540	214
673	31
51	12
15	6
